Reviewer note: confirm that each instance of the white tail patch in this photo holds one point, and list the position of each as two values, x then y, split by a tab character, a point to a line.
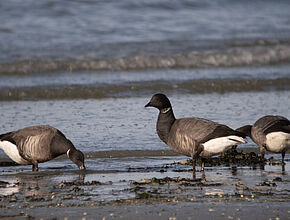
219	145
12	152
278	141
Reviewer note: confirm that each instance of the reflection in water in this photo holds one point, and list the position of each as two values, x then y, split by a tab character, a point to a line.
27	185
9	188
234	170
82	177
213	191
34	184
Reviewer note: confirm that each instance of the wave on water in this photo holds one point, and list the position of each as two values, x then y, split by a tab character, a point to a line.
227	57
193	86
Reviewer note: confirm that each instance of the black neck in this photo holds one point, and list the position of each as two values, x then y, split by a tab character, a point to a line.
165	120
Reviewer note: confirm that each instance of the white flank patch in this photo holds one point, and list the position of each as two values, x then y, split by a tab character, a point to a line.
219	145
278	141
12	152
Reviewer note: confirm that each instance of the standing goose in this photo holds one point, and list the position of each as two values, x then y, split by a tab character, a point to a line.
37	144
192	137
271	133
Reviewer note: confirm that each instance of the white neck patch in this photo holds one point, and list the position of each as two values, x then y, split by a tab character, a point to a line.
67	153
165	110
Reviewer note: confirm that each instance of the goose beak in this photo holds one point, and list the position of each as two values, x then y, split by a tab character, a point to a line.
82	167
148	104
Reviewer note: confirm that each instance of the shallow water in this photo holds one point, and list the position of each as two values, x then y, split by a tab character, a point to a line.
124	124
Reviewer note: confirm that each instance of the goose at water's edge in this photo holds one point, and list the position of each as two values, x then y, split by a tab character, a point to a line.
37	144
192	137
271	133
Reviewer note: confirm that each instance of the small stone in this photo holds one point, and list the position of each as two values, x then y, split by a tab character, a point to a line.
278	179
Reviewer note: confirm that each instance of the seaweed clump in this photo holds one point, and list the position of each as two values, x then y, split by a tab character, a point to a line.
177	181
231	157
77	183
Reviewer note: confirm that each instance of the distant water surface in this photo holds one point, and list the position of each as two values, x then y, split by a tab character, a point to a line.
49	35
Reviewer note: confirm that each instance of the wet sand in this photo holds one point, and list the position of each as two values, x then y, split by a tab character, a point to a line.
165	191
171	211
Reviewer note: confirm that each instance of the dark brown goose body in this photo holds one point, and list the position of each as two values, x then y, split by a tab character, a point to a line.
192	137
37	144
188	135
270	133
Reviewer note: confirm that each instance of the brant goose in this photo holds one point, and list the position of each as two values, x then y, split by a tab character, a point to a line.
271	133
37	144
192	137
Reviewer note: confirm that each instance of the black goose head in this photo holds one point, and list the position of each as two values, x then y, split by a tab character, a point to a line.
246	130
77	157
159	101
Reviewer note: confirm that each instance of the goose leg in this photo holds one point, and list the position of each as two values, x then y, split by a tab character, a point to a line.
35	166
234	147
202	164
283	162
262	151
193	164
203	175
202	169
193	168
283	156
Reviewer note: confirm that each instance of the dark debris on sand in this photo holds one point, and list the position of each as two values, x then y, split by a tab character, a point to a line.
176	180
236	157
79	183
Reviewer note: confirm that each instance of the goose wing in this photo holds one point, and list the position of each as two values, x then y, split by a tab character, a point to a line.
187	134
33	143
271	123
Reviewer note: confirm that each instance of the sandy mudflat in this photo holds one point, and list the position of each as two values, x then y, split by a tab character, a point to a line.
173	210
235	190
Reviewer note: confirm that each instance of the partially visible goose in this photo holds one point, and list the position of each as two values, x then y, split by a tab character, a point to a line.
192	137
271	133
37	144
